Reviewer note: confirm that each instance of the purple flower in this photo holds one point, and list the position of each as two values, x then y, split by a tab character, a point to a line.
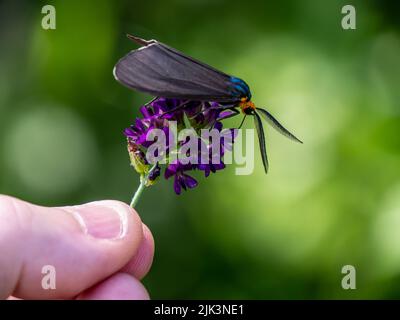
210	167
155	173
181	179
152	119
216	152
138	132
167	109
227	136
158	114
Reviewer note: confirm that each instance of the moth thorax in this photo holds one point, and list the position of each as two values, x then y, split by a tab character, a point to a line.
247	107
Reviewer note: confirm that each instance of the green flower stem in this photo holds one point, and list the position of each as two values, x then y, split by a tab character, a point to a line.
143	181
138	192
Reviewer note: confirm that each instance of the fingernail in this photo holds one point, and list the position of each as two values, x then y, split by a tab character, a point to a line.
102	220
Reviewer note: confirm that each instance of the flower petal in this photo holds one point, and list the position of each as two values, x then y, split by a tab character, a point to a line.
177	186
181	181
129	133
225	114
189	181
218	126
170	171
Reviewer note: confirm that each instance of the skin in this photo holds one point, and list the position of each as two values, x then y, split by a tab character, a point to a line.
100	250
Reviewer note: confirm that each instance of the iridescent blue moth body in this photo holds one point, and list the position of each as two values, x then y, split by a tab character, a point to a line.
162	71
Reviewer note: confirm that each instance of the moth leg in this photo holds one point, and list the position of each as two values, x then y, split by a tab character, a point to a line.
173	109
221	108
241	123
151	101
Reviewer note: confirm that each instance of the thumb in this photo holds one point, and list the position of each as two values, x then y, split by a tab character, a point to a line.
82	244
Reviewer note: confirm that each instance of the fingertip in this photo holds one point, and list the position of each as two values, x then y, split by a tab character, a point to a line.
140	264
120	286
78	241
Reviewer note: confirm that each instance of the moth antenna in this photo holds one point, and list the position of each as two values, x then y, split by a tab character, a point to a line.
277	126
261	140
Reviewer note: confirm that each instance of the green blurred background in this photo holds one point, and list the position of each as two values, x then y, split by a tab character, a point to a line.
331	202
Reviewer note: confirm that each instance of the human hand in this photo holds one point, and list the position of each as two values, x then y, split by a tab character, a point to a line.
99	250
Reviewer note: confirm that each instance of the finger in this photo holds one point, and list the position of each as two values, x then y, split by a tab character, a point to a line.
120	286
84	244
140	264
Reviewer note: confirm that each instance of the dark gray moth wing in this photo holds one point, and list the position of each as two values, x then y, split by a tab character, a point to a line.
163	71
261	140
276	125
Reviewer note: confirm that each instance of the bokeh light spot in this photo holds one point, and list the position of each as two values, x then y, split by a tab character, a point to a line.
51	150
